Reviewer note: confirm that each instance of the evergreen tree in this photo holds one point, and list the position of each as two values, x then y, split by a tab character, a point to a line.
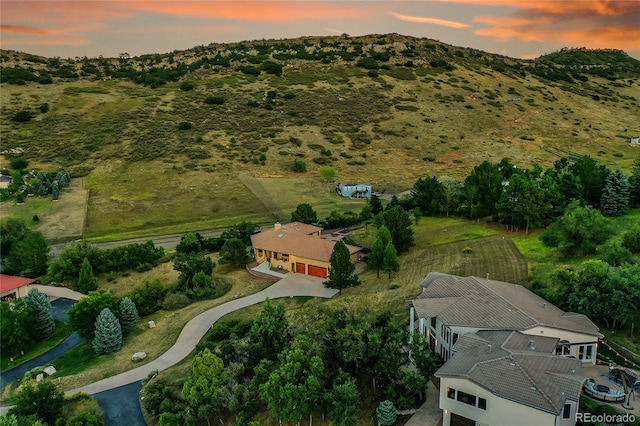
86	280
399	223
390	262
342	272
634	184
55	191
386	413
304	213
108	333
615	194
28	256
43	322
376	256
129	316
376	204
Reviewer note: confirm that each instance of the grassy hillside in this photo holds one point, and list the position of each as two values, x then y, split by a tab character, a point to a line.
379	109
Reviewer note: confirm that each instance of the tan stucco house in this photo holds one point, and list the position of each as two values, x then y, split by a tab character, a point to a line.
296	247
509	354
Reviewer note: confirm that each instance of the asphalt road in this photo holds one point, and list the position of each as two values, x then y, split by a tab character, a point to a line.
121	406
59	308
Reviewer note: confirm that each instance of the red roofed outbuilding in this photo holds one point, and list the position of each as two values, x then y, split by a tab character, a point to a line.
13	287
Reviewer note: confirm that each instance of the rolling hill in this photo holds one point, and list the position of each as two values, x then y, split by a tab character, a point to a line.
162	140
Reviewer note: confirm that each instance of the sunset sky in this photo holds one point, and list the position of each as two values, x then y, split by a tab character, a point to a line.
517	28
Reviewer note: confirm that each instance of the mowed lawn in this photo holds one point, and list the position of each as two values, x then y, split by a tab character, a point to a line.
140	199
439	248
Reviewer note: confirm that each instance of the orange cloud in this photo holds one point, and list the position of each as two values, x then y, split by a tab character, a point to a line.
21	29
427	20
595	23
259	11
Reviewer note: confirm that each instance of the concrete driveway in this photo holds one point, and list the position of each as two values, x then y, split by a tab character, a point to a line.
290	286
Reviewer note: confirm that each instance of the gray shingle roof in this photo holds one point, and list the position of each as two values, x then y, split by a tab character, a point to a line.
494	304
511	370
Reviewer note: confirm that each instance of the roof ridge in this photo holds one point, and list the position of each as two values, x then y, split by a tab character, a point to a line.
538	388
507	301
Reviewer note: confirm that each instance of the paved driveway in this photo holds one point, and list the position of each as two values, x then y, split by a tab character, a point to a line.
290	286
121	406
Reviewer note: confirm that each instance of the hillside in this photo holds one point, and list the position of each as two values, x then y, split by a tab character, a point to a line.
163	139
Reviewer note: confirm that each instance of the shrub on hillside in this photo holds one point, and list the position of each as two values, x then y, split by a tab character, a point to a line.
185	125
215	100
22	116
175	301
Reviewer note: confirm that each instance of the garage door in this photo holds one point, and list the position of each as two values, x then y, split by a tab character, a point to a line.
300	268
317	271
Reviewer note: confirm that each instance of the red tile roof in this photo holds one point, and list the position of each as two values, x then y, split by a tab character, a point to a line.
9	282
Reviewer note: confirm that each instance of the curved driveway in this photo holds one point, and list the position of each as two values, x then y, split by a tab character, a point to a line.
194	330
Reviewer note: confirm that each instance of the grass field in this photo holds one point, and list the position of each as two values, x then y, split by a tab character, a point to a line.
59	221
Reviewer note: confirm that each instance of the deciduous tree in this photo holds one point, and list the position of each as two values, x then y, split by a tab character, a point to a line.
342	273
327	173
268	335
234	252
344	401
399	223
376	256
108	333
390	262
43	400
83	314
203	389
18	334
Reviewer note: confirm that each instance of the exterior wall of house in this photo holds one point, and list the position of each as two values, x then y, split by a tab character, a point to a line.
499	411
578	343
16	293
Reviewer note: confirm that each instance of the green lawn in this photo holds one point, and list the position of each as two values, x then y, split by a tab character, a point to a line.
62	331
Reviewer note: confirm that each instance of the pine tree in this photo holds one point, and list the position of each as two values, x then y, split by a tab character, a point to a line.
342	273
86	280
386	413
634	184
42	318
390	262
615	194
108	333
129	317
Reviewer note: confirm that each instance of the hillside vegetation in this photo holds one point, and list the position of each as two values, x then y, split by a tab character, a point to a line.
162	140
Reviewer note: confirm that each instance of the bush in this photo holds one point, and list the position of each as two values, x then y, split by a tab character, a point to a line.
631	239
185	125
148	297
44	108
19	163
187	86
175	301
22	116
299	166
215	100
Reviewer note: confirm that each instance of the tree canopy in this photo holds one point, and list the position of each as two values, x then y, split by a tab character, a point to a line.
304	213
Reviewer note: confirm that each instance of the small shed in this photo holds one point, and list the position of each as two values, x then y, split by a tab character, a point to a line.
354	190
5	181
635	140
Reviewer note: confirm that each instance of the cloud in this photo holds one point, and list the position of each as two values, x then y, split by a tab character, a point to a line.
21	29
427	20
590	23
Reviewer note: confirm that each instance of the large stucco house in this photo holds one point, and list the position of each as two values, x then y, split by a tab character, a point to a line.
508	353
296	247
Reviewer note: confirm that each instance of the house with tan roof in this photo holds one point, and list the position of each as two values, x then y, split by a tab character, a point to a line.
296	247
509	354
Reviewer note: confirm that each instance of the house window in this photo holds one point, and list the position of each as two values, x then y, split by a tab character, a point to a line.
563	348
566	411
451	393
585	352
482	403
455	338
466	398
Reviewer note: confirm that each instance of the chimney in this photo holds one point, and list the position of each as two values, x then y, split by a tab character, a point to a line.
531	347
489	347
277	225
544	305
487	276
